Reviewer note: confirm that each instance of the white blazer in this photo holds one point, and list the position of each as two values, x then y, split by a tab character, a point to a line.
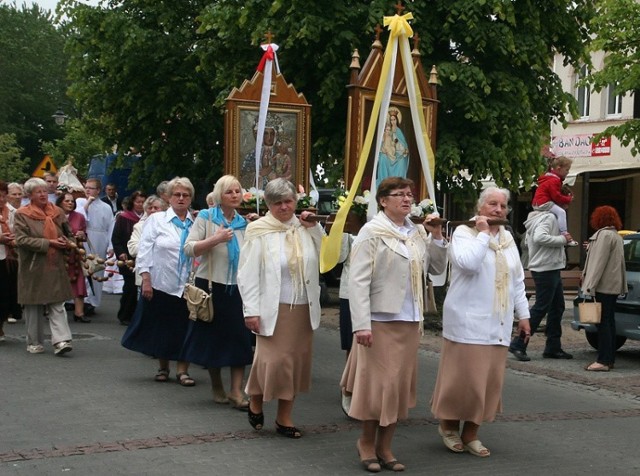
259	277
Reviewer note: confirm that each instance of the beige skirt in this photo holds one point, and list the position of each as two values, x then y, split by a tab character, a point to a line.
282	362
469	383
382	378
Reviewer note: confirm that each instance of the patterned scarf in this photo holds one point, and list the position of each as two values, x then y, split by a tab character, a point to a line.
48	215
293	244
238	222
381	226
184	260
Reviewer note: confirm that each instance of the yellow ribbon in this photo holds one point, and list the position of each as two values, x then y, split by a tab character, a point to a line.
330	251
399	25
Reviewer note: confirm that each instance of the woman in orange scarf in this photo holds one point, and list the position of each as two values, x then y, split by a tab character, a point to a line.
43	283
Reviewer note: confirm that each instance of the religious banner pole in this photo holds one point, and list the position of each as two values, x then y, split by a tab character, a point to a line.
266	68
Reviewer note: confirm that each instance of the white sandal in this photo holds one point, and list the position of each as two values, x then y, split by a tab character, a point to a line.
450	439
476	448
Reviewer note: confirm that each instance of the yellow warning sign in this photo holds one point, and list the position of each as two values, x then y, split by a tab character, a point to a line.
46	165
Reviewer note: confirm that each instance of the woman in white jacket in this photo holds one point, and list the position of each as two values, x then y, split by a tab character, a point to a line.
487	286
389	260
278	278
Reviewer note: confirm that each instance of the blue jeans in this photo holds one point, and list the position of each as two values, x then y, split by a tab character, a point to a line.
607	329
550	303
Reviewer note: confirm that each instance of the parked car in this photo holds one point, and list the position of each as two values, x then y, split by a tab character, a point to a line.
627	306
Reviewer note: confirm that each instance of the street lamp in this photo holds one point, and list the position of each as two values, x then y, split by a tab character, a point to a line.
59	117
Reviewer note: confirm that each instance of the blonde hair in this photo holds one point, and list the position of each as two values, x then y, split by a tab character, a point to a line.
210	200
183	182
223	184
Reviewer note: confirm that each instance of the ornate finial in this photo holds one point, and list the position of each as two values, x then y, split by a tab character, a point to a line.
416	45
399	7
378	29
377	43
355	60
433	76
269	36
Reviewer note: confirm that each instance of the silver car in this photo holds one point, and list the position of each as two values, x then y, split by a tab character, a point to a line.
627	307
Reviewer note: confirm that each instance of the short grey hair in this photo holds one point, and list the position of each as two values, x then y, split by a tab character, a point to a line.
223	184
151	199
183	182
490	191
279	189
33	183
15	185
161	189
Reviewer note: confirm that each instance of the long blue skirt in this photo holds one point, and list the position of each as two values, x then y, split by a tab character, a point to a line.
158	327
225	341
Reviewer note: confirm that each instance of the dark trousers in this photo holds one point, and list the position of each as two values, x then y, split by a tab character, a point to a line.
607	329
129	298
550	303
9	290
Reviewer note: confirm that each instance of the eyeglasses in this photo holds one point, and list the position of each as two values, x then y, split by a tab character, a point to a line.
401	195
181	195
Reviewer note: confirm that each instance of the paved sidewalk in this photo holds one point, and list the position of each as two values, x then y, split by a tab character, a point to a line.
98	411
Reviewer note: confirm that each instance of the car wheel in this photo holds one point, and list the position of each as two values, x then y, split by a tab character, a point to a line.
592	338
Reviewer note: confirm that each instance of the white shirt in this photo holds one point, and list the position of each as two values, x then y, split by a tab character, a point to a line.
469	314
159	253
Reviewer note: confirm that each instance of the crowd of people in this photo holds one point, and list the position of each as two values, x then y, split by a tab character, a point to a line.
262	274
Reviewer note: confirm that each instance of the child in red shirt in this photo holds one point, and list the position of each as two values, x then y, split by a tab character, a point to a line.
550	197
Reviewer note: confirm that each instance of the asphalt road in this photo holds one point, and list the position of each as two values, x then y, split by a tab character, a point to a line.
98	411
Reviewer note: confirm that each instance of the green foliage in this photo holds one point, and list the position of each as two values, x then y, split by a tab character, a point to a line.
33	84
157	74
79	144
617	29
14	168
134	66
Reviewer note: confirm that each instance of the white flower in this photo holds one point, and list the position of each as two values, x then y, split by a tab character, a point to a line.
360	200
416	211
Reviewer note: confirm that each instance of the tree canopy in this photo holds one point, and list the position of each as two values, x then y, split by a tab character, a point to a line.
157	73
33	71
617	31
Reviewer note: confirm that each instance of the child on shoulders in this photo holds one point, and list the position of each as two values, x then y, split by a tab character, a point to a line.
549	195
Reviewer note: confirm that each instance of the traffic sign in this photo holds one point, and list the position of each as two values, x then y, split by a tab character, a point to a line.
45	165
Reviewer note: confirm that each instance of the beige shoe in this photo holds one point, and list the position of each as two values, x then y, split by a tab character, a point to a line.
476	448
451	440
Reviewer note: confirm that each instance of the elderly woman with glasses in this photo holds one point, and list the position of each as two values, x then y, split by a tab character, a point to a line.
389	261
161	327
278	278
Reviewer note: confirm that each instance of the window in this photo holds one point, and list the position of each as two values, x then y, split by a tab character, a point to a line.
614	101
582	94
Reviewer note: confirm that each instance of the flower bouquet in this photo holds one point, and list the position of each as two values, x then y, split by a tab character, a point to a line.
359	205
305	201
422	209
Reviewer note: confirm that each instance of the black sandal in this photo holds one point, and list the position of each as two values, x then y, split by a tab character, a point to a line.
288	431
162	375
256	420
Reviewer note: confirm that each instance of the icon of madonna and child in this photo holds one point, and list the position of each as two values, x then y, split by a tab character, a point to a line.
394	151
276	152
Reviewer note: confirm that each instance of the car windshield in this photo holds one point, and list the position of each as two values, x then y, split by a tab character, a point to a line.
632	253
